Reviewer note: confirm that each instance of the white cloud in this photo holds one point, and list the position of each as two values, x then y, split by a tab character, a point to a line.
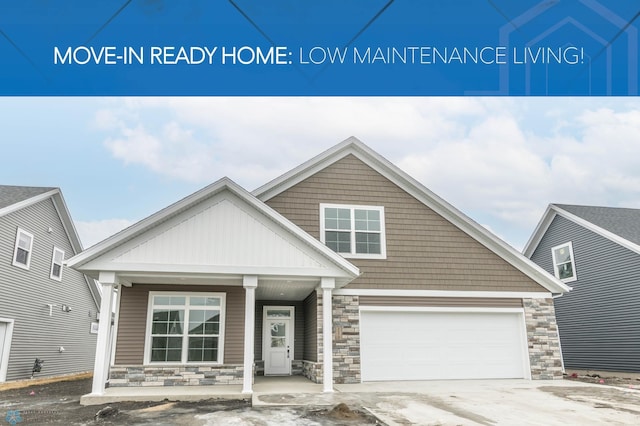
93	232
500	160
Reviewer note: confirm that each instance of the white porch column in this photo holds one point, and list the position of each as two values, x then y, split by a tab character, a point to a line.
327	285
103	351
249	282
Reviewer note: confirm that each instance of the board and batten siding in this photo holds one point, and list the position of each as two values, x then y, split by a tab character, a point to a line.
298	327
424	251
132	321
599	320
24	295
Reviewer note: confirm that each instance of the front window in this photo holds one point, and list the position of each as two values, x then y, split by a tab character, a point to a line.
353	231
564	266
185	328
56	264
22	249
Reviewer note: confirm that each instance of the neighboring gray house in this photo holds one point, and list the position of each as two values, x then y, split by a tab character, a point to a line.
595	250
46	309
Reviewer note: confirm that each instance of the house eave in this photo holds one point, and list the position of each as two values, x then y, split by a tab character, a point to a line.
383	166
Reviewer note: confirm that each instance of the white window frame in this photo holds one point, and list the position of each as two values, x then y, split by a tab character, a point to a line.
185	336
19	232
568	245
352	231
53	263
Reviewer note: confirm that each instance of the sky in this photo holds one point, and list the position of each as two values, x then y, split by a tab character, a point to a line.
499	160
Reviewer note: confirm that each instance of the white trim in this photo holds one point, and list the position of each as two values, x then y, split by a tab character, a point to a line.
15	249
53	262
550	214
352	230
441	309
29	201
568	245
266	337
387	169
327	285
441	293
524	345
132	269
185	334
116	323
101	249
102	363
6	348
539	231
250	283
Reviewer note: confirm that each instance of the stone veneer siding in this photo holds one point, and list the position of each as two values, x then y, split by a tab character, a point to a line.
176	376
542	338
312	371
346	339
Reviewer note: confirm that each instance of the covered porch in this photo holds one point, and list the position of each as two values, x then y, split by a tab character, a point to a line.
207	295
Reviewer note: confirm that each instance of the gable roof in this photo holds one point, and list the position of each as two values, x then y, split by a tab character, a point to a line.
14	198
353	146
10	194
117	247
620	225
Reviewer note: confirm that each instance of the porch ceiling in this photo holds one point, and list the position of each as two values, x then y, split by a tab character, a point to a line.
284	289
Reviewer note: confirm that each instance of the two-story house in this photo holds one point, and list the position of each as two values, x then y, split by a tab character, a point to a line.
345	269
46	309
595	250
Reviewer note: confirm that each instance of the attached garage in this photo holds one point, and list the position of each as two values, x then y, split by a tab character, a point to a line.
405	344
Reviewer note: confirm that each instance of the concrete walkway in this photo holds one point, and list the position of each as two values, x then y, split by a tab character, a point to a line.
294	385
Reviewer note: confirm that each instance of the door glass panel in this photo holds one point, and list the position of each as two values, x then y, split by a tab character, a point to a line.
279	313
278	337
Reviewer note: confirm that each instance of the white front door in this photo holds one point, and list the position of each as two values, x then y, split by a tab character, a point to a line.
277	344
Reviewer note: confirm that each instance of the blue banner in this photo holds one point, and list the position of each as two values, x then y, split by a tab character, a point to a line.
318	48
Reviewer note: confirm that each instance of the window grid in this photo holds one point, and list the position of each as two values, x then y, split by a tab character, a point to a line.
185	329
353	231
57	257
563	262
23	249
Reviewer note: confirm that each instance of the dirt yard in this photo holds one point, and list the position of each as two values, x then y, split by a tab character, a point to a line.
59	404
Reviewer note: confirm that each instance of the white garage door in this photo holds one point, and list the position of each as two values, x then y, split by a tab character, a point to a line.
442	345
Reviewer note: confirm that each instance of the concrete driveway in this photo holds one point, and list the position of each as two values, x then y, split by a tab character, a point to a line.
479	402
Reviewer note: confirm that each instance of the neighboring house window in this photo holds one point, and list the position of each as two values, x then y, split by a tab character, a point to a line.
56	264
22	251
564	266
353	231
185	328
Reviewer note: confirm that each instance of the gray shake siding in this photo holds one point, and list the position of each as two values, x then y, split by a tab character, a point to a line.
599	321
24	295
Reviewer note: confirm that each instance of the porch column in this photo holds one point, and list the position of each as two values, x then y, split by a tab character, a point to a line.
327	285
103	351
249	282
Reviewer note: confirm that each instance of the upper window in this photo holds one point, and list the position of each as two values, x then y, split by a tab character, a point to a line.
564	266
353	231
185	328
56	264
22	251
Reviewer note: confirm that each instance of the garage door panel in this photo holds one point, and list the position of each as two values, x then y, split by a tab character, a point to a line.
441	345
